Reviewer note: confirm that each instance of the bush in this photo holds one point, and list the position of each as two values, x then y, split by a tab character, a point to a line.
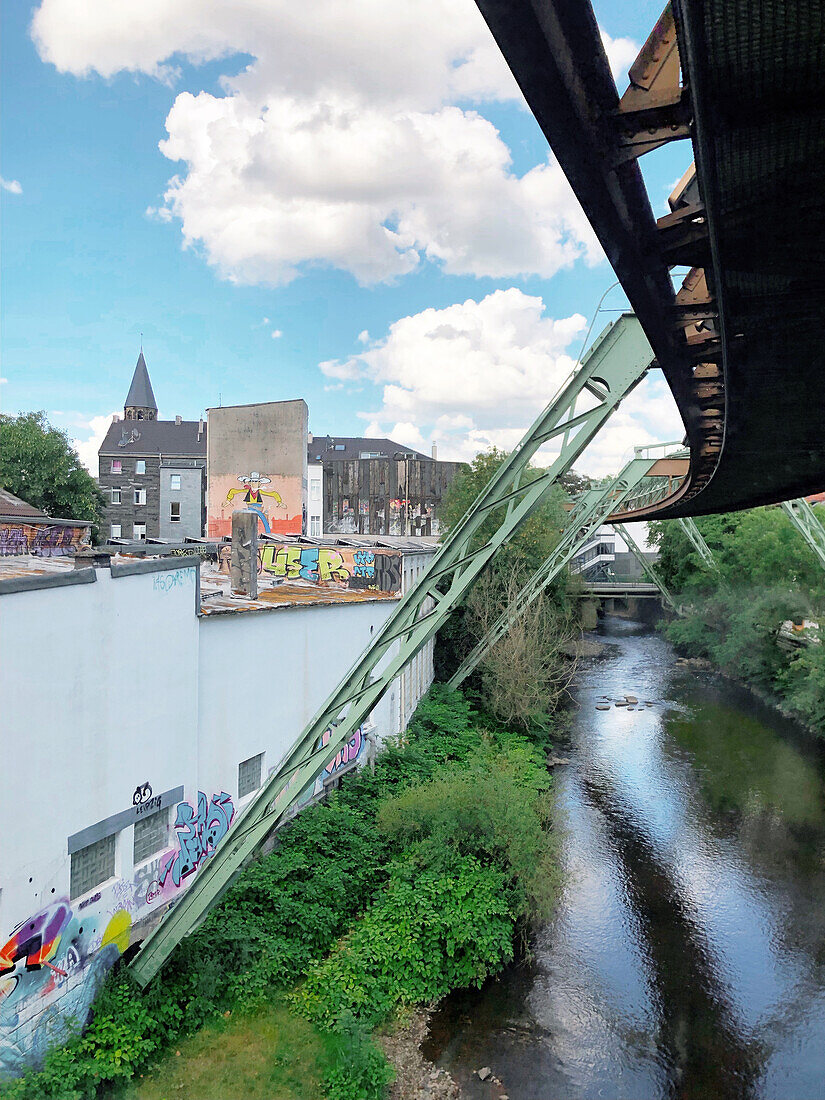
429	931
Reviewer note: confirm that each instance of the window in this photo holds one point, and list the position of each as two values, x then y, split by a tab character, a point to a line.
140	466
92	865
315	489
371	454
140	496
151	834
174	482
140	531
340	446
117	466
249	774
315	525
174	511
115	531
115	496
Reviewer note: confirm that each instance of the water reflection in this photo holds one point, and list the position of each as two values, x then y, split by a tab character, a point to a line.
687	956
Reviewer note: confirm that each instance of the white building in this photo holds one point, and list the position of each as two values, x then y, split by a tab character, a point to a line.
140	715
315	499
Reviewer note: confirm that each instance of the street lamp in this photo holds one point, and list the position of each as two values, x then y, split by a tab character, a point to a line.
405	456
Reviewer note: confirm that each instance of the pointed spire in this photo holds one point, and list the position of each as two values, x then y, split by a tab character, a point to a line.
140	401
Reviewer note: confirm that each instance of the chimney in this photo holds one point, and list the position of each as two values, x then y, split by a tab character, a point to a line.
309	438
178	420
435	452
115	418
200	427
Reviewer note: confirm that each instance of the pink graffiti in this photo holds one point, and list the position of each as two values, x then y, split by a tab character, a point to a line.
346	754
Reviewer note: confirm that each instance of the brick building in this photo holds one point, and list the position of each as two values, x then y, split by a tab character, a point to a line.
153	472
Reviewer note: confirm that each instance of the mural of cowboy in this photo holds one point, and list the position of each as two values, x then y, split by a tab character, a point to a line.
254	494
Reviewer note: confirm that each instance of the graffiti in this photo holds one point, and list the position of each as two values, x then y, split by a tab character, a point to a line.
142	793
42	540
52	967
175	578
328	567
198	835
253	496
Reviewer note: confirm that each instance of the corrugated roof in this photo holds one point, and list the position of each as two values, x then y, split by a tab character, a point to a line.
140	392
153	437
325	448
10	505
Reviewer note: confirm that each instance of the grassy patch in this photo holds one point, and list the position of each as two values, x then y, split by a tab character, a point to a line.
249	1056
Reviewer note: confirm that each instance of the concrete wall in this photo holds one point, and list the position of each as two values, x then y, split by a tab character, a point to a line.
270	440
190	496
113	685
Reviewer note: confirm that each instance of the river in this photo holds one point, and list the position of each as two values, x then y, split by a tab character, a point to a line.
686	958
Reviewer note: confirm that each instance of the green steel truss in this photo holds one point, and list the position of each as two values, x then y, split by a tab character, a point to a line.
589	512
647	566
614	365
803	517
698	543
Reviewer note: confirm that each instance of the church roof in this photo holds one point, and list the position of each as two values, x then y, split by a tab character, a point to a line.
155	437
140	394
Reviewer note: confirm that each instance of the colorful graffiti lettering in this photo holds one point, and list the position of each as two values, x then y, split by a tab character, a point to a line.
325	566
53	965
198	835
41	540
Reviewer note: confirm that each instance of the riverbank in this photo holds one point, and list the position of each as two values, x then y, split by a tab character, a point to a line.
684	956
410	882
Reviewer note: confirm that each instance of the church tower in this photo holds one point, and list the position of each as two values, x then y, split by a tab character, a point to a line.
140	401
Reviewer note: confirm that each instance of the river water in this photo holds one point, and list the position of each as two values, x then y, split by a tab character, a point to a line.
687	954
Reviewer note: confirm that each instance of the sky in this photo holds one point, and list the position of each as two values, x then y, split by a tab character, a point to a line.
347	202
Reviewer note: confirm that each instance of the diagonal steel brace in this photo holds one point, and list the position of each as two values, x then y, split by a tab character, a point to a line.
613	366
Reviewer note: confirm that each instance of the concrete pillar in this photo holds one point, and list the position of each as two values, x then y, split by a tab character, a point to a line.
589	615
244	566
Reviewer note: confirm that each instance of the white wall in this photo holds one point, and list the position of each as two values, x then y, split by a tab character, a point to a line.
106	686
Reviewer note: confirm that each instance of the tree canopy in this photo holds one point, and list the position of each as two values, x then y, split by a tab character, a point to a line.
39	465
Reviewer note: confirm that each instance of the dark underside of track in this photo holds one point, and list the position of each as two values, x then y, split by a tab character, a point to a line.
753	97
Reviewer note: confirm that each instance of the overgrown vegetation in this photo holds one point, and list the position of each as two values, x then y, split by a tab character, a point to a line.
767	575
406	884
526	672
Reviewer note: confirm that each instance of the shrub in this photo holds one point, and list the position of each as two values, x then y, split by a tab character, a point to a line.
429	931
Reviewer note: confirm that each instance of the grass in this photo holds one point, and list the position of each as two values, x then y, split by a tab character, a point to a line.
269	1054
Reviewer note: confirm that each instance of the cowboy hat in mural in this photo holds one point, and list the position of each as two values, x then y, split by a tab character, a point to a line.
254	494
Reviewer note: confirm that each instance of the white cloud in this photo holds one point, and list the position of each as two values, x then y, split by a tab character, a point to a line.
91	435
476	374
276	334
347	140
11	185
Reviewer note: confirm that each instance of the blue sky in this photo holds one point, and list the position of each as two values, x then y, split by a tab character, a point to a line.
319	195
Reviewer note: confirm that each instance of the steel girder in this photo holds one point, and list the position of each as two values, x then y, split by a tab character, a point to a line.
614	365
647	566
590	511
698	543
805	520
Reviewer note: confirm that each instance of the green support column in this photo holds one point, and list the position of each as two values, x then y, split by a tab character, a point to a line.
805	520
698	543
590	511
613	366
647	566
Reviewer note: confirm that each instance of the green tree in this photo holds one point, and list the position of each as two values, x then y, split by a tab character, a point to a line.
511	567
39	464
537	536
